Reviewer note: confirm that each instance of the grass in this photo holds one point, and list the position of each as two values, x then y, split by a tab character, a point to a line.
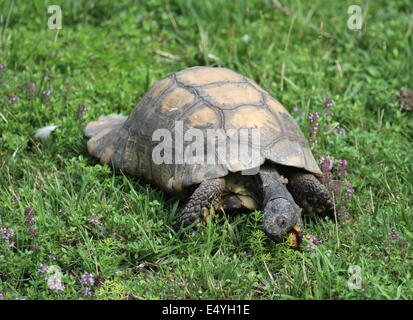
107	55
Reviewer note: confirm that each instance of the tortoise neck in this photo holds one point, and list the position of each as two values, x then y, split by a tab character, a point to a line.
273	184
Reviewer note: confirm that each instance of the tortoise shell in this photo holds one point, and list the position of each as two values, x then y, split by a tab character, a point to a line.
202	98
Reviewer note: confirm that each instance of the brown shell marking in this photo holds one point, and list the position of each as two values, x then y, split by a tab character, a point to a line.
202	117
198	76
231	95
176	100
160	86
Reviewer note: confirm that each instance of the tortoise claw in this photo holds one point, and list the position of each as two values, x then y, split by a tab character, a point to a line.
186	220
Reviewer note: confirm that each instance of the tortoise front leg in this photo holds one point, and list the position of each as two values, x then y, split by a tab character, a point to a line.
310	194
207	194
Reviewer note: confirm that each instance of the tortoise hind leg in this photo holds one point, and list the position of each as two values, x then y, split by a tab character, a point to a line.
207	194
105	138
310	194
111	142
111	121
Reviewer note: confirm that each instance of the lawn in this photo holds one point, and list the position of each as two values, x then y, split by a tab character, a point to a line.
70	228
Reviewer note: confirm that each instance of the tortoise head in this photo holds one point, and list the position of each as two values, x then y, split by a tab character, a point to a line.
279	218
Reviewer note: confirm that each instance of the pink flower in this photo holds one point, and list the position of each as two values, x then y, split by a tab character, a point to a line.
313	119
394	234
349	192
326	164
328	102
342	166
314	241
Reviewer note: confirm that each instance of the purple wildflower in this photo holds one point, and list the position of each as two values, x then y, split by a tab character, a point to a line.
313	116
1	296
46	95
14	98
310	246
313	242
31	90
349	192
313	119
43	268
87	291
342	166
335	186
99	280
6	234
296	109
29	221
94	219
328	102
55	283
326	167
326	163
87	278
394	234
51	257
31	232
15	199
29	217
2	66
341	131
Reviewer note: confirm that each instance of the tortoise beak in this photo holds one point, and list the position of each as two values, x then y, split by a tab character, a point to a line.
294	237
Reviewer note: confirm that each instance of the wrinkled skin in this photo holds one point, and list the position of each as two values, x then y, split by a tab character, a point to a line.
280	216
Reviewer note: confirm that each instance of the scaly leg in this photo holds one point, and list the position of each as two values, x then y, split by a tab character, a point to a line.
207	194
310	194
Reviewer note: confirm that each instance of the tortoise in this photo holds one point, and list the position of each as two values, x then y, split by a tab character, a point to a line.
284	184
